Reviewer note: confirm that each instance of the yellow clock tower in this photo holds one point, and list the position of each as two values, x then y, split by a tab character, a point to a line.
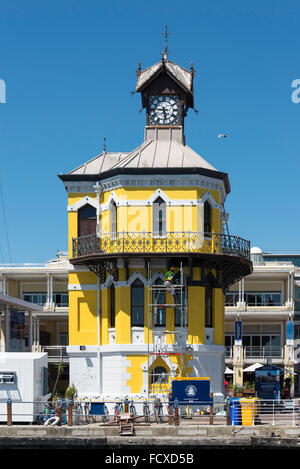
150	258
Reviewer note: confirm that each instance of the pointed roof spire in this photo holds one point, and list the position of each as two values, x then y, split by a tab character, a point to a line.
165	52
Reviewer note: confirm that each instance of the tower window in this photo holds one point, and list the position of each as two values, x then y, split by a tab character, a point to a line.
137	303
159	299
112	306
208	306
87	220
159	375
207	217
159	216
113	217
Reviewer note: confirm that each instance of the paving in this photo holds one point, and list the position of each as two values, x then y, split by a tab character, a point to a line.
156	436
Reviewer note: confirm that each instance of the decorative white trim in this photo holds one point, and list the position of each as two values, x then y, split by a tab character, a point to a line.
153	197
153	180
81	203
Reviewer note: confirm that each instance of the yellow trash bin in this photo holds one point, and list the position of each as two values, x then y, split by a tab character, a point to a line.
249	410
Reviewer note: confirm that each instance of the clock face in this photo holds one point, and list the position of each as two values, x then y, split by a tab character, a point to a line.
163	110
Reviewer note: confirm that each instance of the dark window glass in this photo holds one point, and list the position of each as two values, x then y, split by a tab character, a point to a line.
159	375
159	216
137	303
112	306
207	217
208	306
159	299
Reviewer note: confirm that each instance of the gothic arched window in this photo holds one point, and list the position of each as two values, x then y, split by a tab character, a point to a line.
159	300
87	220
159	216
112	305
159	375
208	306
113	217
207	217
137	303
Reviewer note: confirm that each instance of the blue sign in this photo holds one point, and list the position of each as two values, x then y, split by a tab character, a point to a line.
238	332
267	382
191	391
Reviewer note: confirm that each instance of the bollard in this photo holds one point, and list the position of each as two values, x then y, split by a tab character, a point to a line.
211	411
126	405
176	413
58	411
9	412
70	413
227	414
170	410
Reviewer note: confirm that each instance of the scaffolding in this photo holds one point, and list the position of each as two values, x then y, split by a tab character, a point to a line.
164	341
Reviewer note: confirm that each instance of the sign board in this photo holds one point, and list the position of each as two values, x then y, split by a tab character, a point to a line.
267	382
289	333
191	390
238	333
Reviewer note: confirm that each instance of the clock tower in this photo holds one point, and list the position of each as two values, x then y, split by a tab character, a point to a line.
167	93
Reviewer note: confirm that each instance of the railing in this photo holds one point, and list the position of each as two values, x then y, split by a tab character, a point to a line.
229	412
169	242
262	351
56	352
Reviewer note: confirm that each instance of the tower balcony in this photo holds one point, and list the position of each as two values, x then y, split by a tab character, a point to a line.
228	254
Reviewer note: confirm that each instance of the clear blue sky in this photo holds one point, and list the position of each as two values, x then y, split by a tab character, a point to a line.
69	67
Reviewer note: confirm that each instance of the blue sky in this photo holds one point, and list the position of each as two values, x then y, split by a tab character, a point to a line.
69	67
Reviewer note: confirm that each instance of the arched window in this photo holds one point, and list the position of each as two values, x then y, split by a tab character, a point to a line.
159	217
113	217
208	306
112	305
181	315
159	375
137	303
87	220
159	299
207	217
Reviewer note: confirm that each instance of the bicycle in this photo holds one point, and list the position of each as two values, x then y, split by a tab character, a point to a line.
132	409
158	410
146	411
118	410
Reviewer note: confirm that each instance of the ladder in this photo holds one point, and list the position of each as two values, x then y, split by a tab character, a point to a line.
167	343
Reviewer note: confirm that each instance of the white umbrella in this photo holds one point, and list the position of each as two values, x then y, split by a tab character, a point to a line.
228	371
252	367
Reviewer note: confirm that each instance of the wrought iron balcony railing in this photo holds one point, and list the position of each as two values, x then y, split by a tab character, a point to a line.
166	243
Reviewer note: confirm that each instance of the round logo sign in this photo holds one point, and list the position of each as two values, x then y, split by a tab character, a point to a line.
191	390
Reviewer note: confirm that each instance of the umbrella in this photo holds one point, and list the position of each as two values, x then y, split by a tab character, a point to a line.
252	367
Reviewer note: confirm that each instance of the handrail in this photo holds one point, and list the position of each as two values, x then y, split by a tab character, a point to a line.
167	242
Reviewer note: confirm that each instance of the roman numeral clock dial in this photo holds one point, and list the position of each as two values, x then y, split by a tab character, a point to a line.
163	110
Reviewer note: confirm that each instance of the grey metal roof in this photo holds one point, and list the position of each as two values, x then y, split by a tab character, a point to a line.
99	164
150	154
163	154
179	73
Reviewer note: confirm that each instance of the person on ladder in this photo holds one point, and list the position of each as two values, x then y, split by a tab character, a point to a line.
169	275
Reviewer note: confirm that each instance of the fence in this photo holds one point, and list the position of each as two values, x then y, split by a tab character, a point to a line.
234	411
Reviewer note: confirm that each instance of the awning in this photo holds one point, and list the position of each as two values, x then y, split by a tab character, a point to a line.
228	371
17	303
252	367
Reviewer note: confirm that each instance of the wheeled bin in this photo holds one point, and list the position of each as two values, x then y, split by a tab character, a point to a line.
249	408
235	411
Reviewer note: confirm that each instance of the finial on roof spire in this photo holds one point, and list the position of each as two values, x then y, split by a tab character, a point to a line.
104	145
165	34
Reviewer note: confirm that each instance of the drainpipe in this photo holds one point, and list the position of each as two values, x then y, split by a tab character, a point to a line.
98	190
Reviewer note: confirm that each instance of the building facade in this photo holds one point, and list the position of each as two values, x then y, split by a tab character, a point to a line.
264	304
37	320
132	218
